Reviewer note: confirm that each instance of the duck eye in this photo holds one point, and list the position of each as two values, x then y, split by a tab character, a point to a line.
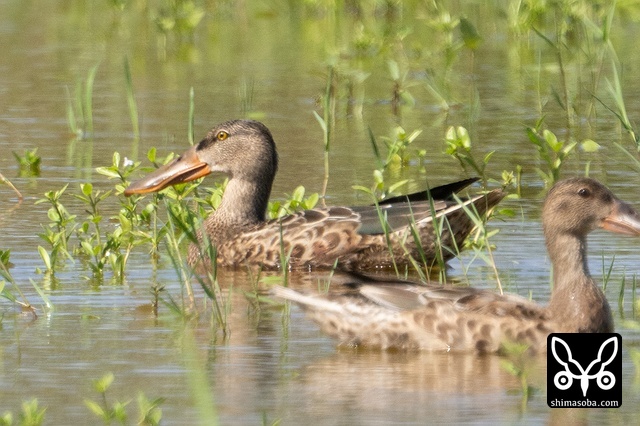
584	192
222	135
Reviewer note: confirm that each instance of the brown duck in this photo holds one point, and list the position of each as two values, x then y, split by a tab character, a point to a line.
410	316
244	150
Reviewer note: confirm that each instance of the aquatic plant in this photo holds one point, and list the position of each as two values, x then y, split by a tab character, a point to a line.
620	111
459	147
327	122
517	362
293	203
131	100
91	243
149	412
133	215
58	232
80	106
400	95
397	144
5	276
7	182
5	255
180	16
397	157
31	415
29	162
553	152
188	222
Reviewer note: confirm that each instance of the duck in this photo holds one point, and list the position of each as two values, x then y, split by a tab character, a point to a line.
403	315
352	238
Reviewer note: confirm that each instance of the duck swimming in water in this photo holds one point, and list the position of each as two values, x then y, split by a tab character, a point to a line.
354	237
406	315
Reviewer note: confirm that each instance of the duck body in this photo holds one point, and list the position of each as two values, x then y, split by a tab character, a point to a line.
355	237
352	236
404	315
407	316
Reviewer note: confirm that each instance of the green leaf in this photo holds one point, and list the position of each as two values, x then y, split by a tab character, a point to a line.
589	145
86	188
53	215
120	412
377	177
151	155
397	185
463	138
362	189
116	159
101	385
95	408
298	193
312	201
552	140
108	172
534	137
509	367
569	148
450	135
394	69
488	157
86	246
321	121
470	35
43	295
45	257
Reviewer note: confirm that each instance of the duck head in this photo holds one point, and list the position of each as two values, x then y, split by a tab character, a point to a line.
578	206
241	149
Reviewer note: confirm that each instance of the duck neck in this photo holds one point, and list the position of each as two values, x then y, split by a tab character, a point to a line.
577	303
244	202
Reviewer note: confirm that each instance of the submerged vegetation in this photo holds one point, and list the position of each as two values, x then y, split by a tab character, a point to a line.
418	62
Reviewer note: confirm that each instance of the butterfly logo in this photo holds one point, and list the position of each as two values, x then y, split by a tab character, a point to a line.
564	379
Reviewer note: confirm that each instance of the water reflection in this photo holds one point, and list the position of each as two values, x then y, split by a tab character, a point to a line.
409	387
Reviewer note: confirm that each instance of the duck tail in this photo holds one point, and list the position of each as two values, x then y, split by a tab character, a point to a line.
305	301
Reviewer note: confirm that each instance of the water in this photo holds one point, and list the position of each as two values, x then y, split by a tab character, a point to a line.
272	366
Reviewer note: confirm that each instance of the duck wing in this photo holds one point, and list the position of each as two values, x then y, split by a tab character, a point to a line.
400	215
397	216
405	297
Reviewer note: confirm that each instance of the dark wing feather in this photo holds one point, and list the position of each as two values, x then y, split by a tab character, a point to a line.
442	192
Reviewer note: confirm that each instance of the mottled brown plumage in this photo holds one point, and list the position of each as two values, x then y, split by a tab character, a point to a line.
411	316
355	237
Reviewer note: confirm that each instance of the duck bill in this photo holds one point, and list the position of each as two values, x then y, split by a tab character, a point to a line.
185	168
622	220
